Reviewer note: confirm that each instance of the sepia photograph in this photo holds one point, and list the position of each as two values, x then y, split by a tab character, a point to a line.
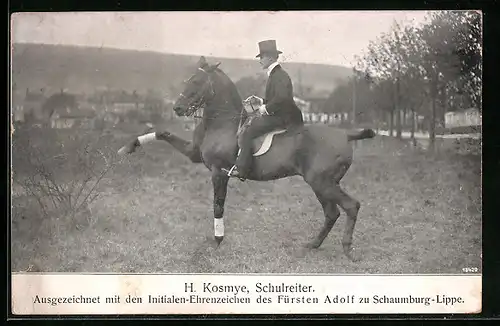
289	142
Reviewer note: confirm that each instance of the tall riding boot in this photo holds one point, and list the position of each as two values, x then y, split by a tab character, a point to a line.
243	162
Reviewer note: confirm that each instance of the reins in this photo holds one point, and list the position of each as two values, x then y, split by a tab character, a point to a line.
203	101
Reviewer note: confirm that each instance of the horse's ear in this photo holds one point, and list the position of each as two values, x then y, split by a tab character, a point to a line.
215	66
202	62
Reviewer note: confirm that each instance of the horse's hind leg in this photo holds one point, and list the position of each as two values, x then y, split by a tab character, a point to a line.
349	204
330	194
332	213
351	207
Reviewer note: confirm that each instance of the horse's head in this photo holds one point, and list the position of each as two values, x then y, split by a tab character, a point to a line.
198	90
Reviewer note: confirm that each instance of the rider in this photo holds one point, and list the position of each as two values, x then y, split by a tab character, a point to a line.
277	111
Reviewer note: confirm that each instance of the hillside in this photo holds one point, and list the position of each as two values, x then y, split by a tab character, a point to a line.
85	69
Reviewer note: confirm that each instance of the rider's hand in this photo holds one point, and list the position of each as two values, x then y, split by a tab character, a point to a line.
263	110
247	100
254	100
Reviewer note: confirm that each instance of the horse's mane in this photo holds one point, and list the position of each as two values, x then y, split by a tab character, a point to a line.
235	95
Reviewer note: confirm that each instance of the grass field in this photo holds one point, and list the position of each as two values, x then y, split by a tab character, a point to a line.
420	213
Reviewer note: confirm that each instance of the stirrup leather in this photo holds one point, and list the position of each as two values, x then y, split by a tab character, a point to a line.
230	171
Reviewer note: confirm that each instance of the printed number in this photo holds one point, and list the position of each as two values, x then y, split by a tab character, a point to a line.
470	269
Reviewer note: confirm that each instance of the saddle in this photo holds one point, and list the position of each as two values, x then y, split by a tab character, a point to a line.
261	144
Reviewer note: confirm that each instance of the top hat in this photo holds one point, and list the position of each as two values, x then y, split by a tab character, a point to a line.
267	47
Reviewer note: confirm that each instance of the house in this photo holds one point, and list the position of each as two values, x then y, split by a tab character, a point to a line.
58	101
338	117
316	103
33	105
110	118
469	117
125	107
326	118
124	102
313	110
17	114
303	105
70	117
17	108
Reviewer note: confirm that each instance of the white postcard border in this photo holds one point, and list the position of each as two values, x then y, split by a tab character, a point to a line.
208	294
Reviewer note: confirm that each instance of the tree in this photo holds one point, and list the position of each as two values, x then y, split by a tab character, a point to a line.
385	60
353	96
451	62
413	81
340	100
58	101
439	61
251	86
467	48
383	97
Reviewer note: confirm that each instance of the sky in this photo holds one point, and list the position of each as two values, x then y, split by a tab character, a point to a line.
328	37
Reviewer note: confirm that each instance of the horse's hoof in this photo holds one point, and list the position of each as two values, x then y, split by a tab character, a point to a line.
126	150
218	240
312	245
130	148
350	255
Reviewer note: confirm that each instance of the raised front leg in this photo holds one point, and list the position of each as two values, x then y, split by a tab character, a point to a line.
189	149
219	182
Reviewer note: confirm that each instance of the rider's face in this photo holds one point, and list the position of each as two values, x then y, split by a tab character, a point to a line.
266	61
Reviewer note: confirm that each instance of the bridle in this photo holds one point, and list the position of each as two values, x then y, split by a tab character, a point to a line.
208	89
207	94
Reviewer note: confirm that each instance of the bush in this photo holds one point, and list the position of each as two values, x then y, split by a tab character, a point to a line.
61	169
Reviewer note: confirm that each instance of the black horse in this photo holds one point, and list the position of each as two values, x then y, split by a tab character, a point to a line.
320	154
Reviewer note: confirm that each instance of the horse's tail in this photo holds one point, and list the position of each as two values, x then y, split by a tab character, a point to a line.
363	134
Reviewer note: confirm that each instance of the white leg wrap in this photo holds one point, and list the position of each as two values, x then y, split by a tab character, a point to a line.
219	227
146	138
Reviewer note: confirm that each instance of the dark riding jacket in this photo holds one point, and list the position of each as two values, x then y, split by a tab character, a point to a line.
279	97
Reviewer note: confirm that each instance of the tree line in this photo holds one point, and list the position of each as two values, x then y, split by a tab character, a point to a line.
413	71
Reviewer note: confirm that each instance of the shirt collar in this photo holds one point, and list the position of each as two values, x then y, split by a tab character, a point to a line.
271	67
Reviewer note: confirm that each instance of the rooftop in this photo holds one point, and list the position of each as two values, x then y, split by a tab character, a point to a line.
73	113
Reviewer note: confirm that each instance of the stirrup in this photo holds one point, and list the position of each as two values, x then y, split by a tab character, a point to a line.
230	172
